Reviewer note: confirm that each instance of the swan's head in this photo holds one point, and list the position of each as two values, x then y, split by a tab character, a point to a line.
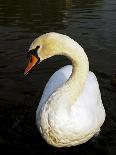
42	48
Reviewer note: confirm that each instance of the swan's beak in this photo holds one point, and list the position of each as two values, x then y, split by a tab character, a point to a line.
32	62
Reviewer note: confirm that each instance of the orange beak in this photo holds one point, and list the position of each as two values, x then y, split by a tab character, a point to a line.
31	64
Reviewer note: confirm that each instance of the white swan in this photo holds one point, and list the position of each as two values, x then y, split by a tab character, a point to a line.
70	111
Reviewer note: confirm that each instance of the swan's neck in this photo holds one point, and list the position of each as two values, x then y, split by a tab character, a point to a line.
73	87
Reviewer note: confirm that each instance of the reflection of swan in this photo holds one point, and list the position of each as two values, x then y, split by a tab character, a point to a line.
70	111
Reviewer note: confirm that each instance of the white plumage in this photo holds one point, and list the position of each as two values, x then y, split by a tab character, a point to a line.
70	111
86	115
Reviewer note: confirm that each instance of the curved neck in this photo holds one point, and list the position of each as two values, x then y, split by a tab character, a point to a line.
76	82
80	69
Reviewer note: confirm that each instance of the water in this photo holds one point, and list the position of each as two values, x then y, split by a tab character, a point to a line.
91	23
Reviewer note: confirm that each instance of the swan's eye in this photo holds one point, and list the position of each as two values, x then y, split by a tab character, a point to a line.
33	52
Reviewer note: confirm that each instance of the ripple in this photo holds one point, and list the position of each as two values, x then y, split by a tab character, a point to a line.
90	22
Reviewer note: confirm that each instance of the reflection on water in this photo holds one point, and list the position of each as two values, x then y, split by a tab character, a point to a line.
40	14
92	24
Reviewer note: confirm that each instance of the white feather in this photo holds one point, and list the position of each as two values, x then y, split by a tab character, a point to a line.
87	114
70	111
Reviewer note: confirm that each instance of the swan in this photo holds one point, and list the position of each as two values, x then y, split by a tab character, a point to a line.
70	111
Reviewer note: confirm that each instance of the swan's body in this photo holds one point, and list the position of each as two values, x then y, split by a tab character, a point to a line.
70	111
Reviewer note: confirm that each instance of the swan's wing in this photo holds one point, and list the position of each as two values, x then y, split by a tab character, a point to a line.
55	81
89	104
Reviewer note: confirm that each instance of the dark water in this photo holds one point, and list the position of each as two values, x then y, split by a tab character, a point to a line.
90	22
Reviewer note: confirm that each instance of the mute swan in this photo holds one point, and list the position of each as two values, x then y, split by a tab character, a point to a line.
70	111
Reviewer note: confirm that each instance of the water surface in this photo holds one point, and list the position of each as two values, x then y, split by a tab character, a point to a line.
92	24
